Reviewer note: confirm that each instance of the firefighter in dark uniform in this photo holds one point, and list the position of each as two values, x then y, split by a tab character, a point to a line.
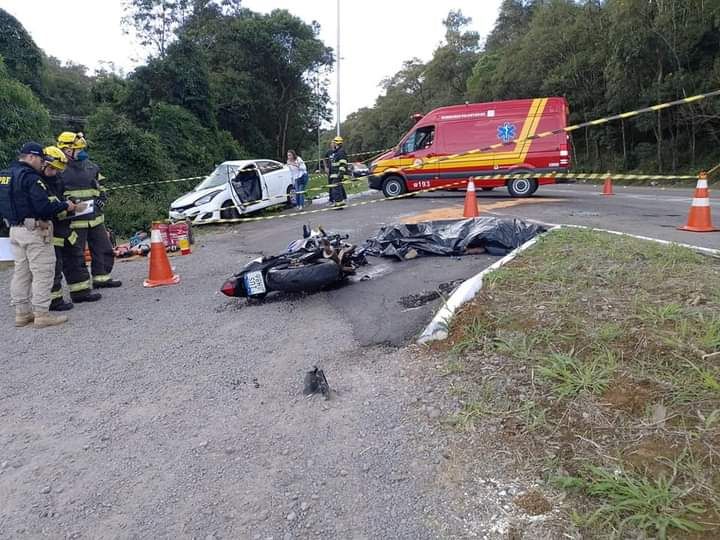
28	210
81	182
62	234
337	164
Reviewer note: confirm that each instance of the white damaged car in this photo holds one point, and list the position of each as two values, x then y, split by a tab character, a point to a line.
236	188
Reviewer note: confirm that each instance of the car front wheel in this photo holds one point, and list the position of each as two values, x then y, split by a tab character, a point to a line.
394	186
229	211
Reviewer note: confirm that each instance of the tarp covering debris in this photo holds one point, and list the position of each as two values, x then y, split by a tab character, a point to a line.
497	236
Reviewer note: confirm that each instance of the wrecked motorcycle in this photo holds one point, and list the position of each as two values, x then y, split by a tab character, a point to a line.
315	261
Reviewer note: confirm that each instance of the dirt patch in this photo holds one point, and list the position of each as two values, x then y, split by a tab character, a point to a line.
653	456
533	502
629	396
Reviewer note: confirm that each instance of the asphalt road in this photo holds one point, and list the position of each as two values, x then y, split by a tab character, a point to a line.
177	413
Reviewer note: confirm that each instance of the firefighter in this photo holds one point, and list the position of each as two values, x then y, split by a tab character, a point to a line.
337	170
55	162
81	182
25	204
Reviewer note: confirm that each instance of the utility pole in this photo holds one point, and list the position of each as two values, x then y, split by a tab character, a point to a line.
337	108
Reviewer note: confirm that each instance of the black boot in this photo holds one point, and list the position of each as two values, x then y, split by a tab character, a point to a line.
59	304
85	296
108	284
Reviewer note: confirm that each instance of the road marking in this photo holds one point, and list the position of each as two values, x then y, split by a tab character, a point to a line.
456	211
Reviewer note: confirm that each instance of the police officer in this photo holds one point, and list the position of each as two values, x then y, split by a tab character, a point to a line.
25	204
81	182
55	162
337	170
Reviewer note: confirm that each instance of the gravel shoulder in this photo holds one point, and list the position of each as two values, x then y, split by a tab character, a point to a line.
178	413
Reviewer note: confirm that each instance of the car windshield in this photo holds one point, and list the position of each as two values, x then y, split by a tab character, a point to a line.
218	177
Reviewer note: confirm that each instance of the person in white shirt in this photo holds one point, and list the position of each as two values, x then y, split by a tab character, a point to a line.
299	175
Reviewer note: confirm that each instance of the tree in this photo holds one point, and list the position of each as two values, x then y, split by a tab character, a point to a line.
266	97
24	118
155	21
23	59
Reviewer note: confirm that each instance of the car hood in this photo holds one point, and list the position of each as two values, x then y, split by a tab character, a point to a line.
193	196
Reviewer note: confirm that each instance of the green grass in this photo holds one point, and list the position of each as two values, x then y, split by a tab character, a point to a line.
317	186
602	330
633	502
570	376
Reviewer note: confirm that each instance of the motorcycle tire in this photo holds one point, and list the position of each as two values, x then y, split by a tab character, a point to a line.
312	277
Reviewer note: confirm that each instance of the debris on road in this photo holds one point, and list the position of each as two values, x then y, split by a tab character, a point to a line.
497	236
315	382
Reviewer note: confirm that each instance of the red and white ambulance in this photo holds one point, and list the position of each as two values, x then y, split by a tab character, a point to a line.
528	135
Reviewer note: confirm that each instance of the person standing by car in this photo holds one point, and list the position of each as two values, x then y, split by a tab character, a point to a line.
337	170
299	176
26	205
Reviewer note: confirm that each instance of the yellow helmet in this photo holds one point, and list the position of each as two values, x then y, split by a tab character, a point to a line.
69	139
338	140
55	158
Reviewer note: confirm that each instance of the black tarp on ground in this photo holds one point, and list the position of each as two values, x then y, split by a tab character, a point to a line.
497	236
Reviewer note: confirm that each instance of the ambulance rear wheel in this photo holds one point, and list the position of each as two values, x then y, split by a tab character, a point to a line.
522	187
394	186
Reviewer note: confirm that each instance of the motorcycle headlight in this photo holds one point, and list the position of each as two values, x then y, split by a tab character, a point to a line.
207	198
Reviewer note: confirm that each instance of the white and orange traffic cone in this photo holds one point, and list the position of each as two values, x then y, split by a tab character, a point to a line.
607	186
160	271
699	219
471	207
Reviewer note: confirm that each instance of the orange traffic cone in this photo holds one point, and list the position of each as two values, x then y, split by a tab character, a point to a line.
88	257
160	271
699	219
607	187
471	207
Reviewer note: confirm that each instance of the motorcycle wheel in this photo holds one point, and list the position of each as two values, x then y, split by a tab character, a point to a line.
312	277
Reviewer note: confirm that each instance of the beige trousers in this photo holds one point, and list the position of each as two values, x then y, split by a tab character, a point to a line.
34	269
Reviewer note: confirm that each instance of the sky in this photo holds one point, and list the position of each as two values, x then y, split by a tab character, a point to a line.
376	36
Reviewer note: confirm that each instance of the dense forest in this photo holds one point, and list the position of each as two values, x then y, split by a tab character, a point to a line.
222	81
604	56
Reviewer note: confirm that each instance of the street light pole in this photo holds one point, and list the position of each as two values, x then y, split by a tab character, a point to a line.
337	108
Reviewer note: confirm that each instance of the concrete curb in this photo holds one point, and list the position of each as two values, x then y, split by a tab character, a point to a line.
437	330
438	327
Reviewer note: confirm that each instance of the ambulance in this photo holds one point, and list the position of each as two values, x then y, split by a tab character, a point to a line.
449	145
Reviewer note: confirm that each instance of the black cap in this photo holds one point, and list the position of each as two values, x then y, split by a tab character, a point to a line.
32	148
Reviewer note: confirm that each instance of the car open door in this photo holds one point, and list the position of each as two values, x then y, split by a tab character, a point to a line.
277	179
248	189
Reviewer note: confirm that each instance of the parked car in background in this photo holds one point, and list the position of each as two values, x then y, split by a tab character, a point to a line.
359	169
236	188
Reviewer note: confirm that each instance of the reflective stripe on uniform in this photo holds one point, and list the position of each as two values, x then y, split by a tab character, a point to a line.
54	295
58	242
102	279
86	224
80	286
82	193
72	238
